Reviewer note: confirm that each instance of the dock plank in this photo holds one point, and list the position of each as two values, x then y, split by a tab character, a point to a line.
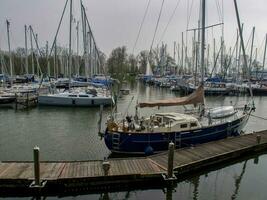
152	166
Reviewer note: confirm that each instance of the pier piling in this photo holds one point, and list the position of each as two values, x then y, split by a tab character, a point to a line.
106	166
36	159
170	160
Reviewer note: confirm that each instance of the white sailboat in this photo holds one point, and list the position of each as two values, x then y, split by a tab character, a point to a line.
75	97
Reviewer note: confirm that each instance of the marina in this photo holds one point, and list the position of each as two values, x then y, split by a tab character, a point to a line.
147	100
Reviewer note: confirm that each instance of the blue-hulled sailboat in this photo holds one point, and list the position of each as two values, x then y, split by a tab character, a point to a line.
152	134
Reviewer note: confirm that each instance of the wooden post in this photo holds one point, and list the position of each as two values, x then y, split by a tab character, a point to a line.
27	101
106	166
36	159
16	101
170	160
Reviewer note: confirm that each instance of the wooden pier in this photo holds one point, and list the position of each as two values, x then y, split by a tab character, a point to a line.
25	100
77	176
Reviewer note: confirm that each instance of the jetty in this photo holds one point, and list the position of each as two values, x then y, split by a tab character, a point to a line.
60	177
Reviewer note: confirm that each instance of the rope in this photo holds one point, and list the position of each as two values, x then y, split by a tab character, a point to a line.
259	117
170	19
156	26
140	28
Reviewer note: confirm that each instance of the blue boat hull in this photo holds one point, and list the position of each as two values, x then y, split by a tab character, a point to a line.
151	142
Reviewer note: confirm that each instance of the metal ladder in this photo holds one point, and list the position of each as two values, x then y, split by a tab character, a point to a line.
115	141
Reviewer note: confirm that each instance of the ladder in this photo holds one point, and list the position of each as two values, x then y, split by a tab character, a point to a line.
115	141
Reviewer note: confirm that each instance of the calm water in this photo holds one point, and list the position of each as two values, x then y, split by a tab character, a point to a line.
71	134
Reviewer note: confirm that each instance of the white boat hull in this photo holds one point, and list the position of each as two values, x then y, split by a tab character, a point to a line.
74	101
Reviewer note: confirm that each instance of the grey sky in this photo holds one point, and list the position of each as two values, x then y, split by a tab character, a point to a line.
116	22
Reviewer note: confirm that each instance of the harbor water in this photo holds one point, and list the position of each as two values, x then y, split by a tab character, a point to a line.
72	134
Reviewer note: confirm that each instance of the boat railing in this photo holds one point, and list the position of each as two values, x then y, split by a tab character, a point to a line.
118	117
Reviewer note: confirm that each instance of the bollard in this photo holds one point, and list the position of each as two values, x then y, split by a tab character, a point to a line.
106	166
170	160
258	139
36	166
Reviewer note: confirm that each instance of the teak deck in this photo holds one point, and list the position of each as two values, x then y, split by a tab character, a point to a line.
61	176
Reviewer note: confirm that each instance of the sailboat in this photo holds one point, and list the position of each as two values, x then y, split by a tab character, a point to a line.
75	97
149	74
152	134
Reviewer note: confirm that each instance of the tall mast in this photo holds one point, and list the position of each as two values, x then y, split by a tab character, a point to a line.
214	56
222	55
38	66
47	59
239	54
9	49
55	61
77	31
33	71
182	61
242	43
70	59
264	55
236	53
26	51
251	51
85	42
202	56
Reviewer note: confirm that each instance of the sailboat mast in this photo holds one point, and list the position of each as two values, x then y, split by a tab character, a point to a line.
251	51
26	51
9	49
55	61
182	61
241	35
77	60
47	59
264	55
70	59
33	71
202	56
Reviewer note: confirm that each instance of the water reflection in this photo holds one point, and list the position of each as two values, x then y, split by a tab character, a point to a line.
238	180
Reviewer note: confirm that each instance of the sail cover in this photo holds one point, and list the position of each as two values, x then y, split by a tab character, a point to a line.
196	97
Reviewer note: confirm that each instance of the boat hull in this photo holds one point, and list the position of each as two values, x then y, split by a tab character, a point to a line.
149	143
74	102
7	100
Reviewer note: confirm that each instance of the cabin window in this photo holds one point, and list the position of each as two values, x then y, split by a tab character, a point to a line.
183	125
83	95
165	120
72	95
193	124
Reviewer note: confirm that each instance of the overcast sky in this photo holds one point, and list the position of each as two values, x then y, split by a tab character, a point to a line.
116	22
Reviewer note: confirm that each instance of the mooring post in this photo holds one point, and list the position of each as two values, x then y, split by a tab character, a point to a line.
27	101
170	160
36	160
106	166
258	139
16	101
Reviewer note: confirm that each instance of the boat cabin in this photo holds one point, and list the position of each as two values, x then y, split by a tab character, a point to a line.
174	122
